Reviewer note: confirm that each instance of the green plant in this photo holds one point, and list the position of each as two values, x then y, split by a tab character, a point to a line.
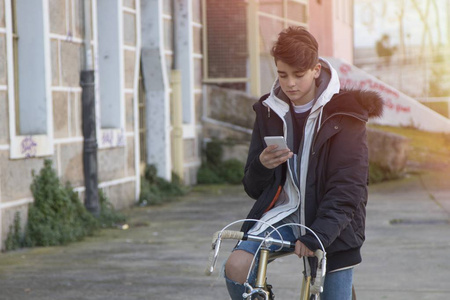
14	239
207	175
156	190
232	171
214	170
214	153
108	216
56	217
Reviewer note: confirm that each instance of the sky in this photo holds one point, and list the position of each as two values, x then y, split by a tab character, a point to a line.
373	18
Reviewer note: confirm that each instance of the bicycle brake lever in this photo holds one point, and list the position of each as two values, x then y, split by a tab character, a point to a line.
216	247
317	287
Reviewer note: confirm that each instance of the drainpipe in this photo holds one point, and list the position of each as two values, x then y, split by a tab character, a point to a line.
177	112
87	82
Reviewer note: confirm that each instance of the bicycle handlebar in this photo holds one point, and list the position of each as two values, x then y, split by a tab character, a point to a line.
316	286
238	235
215	247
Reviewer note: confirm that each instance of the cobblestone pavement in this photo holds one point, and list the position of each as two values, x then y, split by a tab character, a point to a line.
164	252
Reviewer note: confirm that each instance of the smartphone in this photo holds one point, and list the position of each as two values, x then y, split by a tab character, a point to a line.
276	140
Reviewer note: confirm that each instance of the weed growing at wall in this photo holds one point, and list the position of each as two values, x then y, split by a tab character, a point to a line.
156	190
57	216
214	170
108	216
15	237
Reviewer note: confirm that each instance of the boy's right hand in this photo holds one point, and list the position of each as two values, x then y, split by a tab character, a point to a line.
272	158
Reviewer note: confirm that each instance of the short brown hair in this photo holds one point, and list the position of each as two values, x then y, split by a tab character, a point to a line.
296	47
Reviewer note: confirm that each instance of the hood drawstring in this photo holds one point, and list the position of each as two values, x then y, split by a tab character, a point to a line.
268	112
320	118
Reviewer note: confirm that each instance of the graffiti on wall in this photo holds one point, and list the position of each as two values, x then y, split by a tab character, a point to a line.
112	138
28	147
391	96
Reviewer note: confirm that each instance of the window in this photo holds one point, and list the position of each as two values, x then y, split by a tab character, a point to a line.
29	95
29	67
109	64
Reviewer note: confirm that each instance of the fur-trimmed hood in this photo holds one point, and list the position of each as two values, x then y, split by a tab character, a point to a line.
370	100
366	104
360	103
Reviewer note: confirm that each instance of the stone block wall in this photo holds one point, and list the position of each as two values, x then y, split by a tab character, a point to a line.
387	150
116	163
230	106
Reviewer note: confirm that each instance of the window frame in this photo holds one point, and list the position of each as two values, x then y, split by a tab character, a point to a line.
22	145
115	136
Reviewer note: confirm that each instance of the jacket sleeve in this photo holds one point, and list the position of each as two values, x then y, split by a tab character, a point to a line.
256	176
345	187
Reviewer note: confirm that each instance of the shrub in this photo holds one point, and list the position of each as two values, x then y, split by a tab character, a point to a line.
156	190
14	239
215	171
108	216
232	171
207	175
214	153
56	217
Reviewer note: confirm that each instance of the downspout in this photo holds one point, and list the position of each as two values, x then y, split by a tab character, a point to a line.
177	113
87	82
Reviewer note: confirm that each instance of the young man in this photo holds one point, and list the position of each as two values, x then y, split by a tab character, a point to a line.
321	180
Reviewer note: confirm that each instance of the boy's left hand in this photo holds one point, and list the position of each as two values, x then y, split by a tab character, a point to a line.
301	250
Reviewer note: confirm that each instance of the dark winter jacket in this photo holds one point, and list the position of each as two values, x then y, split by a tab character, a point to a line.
337	174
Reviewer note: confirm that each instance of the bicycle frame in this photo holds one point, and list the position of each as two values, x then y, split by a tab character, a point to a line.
311	287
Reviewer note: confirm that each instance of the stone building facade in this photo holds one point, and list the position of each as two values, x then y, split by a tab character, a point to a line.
171	42
41	55
153	61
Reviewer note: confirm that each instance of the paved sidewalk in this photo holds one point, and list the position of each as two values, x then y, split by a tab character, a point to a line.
164	253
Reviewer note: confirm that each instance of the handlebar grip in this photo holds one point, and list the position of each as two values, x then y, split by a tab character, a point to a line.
317	287
215	246
228	235
319	254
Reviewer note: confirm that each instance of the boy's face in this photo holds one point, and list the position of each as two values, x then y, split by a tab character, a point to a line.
298	85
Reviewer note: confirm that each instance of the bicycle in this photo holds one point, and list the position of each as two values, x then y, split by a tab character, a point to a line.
312	286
